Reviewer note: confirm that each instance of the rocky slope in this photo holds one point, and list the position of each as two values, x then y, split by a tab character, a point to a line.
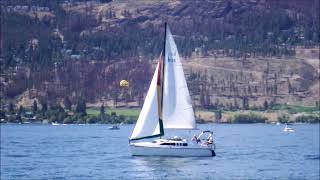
234	51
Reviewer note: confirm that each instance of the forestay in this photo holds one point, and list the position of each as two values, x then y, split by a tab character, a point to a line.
177	108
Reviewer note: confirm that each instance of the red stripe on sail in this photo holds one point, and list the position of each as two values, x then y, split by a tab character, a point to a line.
159	72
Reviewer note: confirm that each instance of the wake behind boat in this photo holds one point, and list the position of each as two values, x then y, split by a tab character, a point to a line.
168	106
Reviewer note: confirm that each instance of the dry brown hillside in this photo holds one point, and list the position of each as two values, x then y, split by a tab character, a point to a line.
230	79
236	53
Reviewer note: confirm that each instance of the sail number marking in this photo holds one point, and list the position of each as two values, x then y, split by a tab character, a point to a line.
171	59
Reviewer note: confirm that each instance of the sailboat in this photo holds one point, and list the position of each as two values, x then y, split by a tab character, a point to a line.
168	106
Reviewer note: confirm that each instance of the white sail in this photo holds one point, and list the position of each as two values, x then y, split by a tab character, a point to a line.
177	108
148	121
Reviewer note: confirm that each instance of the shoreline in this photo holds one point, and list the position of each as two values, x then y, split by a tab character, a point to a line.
207	122
281	114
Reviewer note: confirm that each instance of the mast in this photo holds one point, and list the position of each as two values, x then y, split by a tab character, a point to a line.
164	59
162	80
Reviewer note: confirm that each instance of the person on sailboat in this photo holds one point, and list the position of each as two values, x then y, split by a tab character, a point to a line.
195	139
210	139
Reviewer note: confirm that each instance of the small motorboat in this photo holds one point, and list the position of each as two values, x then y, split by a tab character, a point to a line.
288	129
114	127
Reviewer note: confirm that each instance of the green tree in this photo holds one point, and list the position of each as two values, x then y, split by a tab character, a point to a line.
283	118
265	105
44	107
11	108
18	118
81	107
245	103
249	118
35	106
102	110
2	114
21	110
236	105
202	99
67	103
218	115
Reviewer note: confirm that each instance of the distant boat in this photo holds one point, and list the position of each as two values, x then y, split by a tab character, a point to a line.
168	106
288	129
55	123
114	127
278	123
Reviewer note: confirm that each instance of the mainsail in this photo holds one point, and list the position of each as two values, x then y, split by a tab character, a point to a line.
177	108
168	103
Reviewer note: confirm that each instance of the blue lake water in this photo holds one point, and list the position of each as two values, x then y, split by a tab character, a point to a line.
244	151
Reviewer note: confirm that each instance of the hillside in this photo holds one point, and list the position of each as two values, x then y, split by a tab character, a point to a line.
237	53
226	81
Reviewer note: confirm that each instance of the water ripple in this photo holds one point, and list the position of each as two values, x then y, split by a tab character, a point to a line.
93	152
17	155
312	157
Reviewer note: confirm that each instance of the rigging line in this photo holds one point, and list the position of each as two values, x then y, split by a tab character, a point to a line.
190	107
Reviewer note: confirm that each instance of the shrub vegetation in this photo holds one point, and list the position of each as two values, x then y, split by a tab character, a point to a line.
248	118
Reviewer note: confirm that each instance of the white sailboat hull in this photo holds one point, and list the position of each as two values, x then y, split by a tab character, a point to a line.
145	150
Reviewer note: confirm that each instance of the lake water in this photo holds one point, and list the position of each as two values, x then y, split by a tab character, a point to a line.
244	151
